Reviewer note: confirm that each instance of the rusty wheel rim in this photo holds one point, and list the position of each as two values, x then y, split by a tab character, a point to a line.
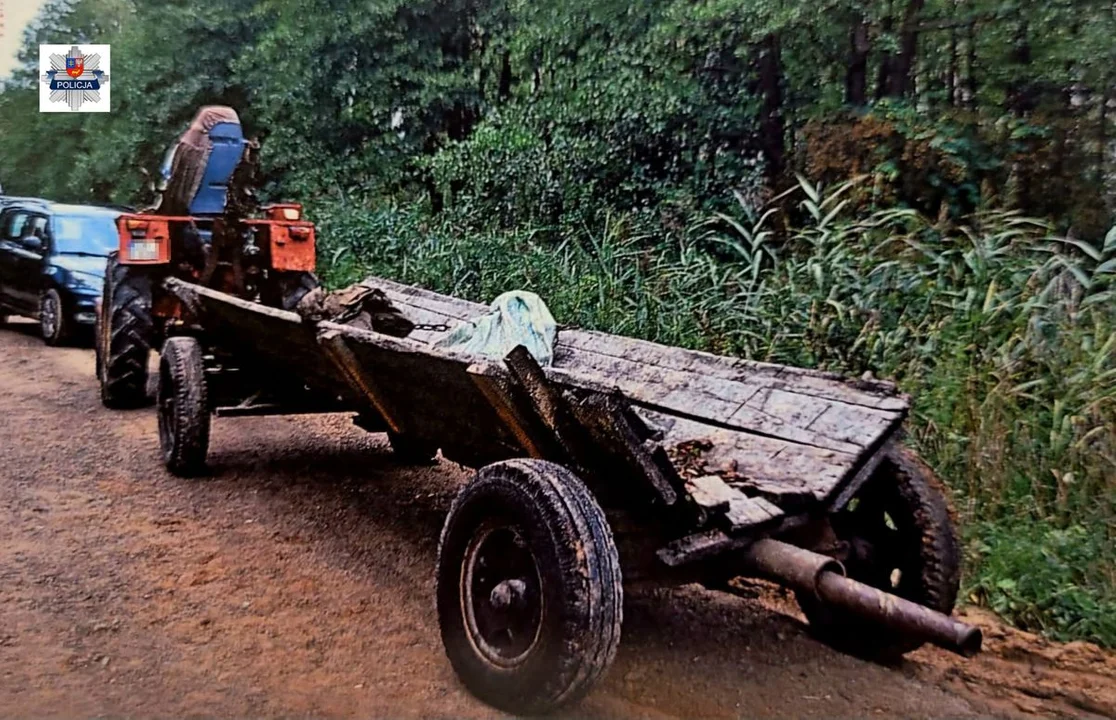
501	595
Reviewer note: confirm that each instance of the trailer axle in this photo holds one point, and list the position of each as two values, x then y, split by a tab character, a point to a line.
823	576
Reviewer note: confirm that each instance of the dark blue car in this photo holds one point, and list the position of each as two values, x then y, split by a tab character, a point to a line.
52	264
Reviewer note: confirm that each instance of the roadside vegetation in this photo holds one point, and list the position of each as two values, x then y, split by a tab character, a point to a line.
920	189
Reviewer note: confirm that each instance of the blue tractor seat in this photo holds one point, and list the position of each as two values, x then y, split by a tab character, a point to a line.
197	169
228	147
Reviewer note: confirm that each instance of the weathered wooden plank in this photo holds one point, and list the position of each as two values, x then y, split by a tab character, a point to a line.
362	380
741	403
874	393
751	514
851	486
288	344
493	381
711	492
726	404
447	305
770	467
699	547
739	511
436	397
547	402
604	418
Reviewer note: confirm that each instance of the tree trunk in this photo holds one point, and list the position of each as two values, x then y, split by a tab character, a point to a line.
856	74
1102	132
770	80
504	90
887	60
1021	90
901	82
951	76
971	66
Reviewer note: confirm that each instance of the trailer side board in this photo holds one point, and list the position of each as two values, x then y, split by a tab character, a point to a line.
790	434
795	437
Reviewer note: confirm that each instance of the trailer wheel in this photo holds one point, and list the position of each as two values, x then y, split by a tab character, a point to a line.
183	408
900	538
125	336
529	591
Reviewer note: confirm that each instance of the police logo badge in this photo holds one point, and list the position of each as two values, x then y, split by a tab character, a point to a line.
74	79
75	66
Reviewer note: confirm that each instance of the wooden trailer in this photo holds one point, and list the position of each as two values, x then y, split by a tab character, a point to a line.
623	458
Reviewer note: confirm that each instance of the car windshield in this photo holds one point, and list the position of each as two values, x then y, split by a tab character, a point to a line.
91	234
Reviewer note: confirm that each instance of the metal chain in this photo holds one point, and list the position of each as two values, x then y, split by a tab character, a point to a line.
431	328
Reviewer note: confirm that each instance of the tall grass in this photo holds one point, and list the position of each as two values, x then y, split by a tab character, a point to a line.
1004	334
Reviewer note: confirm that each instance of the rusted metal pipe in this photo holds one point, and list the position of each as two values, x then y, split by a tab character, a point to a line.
790	564
825	577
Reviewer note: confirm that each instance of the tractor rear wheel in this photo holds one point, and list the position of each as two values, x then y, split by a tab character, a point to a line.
899	537
183	407
288	289
126	332
528	587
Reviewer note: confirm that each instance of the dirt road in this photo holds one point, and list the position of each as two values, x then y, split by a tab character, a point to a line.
297	581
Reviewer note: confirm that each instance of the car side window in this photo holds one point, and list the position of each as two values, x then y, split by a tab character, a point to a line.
14	225
36	228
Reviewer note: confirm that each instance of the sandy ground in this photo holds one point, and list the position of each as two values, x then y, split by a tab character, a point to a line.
297	580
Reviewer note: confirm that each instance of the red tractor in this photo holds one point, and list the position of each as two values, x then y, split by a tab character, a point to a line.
207	227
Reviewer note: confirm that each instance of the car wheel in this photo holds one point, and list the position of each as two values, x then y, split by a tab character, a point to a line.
52	318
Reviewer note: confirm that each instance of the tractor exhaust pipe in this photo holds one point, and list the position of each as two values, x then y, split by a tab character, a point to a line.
825	577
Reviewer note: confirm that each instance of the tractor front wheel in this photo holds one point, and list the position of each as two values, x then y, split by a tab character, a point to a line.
183	407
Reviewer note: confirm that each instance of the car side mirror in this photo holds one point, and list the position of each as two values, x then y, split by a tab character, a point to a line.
33	244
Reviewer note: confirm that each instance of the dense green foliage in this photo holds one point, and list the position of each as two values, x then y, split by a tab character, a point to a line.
635	163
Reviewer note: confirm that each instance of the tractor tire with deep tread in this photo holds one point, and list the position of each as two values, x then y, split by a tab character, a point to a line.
126	336
923	562
293	286
183	407
529	592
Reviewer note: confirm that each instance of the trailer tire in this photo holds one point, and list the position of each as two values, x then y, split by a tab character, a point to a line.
526	546
125	340
925	561
183	407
